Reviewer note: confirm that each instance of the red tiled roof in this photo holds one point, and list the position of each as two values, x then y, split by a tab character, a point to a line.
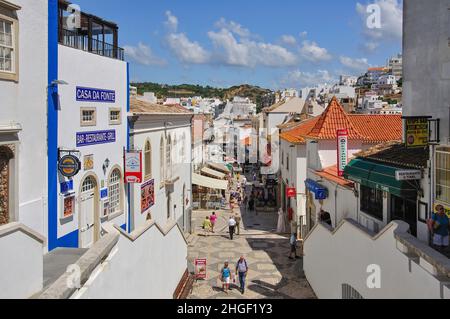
331	174
367	128
378	128
331	120
296	135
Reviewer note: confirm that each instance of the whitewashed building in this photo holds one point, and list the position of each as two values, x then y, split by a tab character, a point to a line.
163	134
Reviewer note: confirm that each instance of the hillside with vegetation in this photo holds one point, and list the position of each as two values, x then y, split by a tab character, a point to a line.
188	90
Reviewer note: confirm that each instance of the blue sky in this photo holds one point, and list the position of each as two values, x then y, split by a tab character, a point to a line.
274	44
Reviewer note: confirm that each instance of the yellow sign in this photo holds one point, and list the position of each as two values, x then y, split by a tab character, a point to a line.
446	208
88	162
417	132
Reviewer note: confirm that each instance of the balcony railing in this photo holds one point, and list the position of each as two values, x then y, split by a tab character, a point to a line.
82	42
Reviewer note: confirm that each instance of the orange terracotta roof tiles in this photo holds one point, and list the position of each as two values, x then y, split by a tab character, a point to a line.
379	128
366	128
331	120
331	174
296	135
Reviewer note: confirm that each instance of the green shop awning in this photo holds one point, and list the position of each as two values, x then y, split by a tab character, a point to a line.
379	176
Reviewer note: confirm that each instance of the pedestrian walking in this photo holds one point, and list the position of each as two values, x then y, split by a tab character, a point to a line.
251	204
232	226
242	270
225	277
440	227
213	219
293	243
206	226
238	220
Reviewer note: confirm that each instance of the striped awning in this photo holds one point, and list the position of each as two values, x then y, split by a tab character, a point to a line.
208	182
213	173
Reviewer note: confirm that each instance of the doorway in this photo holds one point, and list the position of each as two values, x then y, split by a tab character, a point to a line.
406	210
89	221
5	157
311	211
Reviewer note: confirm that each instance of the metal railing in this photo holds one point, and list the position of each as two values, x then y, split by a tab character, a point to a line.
83	42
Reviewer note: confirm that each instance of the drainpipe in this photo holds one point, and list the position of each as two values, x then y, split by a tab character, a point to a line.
335	205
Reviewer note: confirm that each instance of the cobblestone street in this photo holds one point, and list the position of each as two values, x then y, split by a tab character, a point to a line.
271	273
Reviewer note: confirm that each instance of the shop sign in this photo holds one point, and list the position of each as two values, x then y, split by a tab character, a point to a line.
133	167
103	193
342	148
68	206
408	175
66	187
94	138
84	94
319	191
147	195
291	192
417	132
88	162
69	165
200	268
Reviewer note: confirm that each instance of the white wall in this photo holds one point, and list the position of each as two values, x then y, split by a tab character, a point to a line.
80	68
18	101
149	268
342	257
151	127
341	202
21	264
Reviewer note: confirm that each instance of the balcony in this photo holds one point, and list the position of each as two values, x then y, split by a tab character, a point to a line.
89	33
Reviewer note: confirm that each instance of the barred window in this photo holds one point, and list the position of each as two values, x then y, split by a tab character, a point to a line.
88	117
443	174
114	192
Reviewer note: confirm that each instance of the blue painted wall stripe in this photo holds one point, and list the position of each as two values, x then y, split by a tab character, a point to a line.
52	142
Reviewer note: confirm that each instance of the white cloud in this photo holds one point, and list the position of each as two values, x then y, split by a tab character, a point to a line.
234	27
171	22
355	64
249	53
370	47
312	52
143	54
391	22
303	34
288	40
187	51
301	79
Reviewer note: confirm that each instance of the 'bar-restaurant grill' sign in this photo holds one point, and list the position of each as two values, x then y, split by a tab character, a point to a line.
93	138
95	95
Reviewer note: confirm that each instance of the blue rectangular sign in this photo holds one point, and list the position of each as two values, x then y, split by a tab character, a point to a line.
95	95
66	187
93	138
104	193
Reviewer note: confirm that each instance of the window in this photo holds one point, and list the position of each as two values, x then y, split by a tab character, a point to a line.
162	161
115	117
9	62
114	190
169	158
183	148
88	117
282	158
287	162
6	46
372	202
443	174
148	160
348	292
